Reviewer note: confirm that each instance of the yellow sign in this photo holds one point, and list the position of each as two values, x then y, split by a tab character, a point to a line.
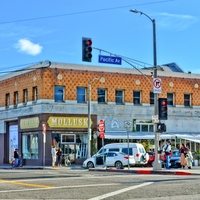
27	123
68	122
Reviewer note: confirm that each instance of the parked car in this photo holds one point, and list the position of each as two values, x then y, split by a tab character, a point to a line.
135	149
175	159
108	159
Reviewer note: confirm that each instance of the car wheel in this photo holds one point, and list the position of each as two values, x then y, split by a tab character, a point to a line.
90	165
119	165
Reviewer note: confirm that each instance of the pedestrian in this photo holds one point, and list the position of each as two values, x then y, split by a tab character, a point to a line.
16	157
183	151
189	158
167	153
53	153
59	157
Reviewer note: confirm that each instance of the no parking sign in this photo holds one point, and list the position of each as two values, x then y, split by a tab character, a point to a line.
157	85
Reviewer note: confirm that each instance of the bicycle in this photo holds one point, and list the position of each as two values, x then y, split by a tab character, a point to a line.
67	161
20	163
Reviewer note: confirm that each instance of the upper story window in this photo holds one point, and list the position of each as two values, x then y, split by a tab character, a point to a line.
170	99
101	95
119	96
59	93
81	95
142	127
136	97
7	100
15	98
151	98
25	95
187	100
35	94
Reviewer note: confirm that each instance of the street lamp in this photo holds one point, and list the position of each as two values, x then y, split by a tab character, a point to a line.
102	80
156	165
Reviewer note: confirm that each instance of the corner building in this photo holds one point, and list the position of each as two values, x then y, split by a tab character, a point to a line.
47	104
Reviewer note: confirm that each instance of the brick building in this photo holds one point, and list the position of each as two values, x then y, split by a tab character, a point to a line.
46	104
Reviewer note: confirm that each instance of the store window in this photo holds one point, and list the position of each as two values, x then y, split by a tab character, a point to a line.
30	146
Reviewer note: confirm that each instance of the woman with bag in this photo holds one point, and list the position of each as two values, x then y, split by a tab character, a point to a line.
183	150
189	158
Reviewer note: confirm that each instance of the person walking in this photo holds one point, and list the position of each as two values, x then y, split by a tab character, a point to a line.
183	151
167	152
189	158
53	153
16	157
59	157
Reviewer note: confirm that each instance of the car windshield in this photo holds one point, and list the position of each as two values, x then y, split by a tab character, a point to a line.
175	153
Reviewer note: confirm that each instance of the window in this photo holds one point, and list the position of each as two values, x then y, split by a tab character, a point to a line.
142	127
7	100
151	98
119	97
59	93
81	92
101	95
30	146
15	98
127	151
170	99
35	94
25	96
187	100
136	97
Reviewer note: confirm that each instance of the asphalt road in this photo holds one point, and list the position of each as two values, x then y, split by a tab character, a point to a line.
83	184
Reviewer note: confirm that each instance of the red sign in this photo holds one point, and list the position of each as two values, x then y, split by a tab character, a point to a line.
101	128
101	135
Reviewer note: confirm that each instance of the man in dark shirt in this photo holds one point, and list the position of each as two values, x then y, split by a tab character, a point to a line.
16	157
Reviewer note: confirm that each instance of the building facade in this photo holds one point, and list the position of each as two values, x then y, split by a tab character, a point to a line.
47	104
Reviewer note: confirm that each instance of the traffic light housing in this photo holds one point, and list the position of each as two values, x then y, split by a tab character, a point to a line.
161	127
162	107
87	49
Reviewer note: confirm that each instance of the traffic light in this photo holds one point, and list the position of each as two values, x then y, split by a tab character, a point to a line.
162	107
86	49
101	128
161	127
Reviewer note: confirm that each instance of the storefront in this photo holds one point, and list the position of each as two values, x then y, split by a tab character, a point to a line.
34	136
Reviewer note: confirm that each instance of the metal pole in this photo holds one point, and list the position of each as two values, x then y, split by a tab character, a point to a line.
89	118
128	150
156	164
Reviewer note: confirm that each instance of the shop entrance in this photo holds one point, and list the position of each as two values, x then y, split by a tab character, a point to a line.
74	146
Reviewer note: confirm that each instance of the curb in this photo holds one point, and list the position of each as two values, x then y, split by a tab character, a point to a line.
186	173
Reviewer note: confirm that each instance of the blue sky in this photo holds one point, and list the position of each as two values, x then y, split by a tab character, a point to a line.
39	30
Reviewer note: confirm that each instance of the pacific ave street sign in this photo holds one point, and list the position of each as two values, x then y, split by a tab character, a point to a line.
110	60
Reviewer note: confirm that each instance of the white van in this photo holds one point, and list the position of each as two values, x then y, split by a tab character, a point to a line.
135	149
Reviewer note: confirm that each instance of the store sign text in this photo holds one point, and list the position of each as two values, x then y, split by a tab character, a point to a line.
27	123
67	122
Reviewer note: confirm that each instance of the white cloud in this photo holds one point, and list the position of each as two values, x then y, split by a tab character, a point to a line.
176	21
25	45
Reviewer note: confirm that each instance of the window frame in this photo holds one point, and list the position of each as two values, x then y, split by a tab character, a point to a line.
7	100
59	97
187	102
35	93
170	99
25	96
119	97
16	99
81	97
102	96
136	98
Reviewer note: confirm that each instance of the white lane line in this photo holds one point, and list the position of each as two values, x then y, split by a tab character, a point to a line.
61	187
120	191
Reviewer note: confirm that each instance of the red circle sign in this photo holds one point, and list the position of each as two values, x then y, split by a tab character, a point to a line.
157	83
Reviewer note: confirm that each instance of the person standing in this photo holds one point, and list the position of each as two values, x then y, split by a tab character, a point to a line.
53	153
59	157
183	151
167	151
16	157
189	158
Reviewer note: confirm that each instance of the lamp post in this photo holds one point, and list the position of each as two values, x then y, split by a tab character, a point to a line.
89	116
156	165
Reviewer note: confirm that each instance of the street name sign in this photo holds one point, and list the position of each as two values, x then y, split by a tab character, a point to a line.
110	60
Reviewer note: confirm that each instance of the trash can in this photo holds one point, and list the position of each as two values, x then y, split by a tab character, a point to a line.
195	162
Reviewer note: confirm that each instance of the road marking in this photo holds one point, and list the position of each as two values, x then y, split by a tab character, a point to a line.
25	184
120	191
61	187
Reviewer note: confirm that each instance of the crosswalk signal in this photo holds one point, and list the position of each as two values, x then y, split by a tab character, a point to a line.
161	127
162	103
87	49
